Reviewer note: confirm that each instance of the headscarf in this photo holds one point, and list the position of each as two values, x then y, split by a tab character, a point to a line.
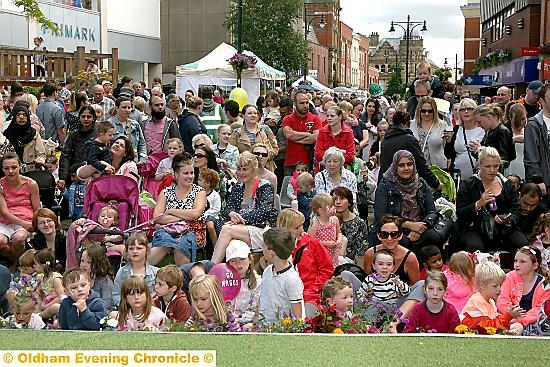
408	188
20	135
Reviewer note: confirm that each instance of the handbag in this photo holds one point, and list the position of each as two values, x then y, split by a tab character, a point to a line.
488	224
176	229
441	224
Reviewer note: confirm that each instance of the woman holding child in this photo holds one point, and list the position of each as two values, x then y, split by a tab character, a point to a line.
182	201
249	211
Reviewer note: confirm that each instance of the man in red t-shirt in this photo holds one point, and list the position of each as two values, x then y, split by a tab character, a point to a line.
301	129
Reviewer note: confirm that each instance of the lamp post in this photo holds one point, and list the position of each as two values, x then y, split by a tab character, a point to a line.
410	26
456	68
307	26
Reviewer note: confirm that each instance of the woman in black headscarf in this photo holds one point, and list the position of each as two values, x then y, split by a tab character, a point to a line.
24	138
403	193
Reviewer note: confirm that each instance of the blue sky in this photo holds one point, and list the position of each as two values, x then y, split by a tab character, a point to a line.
445	22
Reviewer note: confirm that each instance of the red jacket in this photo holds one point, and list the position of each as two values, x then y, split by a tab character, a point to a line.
178	309
510	294
314	267
343	140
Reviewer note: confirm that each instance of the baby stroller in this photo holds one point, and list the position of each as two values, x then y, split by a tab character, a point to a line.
145	211
47	188
119	191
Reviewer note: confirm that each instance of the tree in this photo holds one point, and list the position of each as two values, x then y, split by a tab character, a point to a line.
268	31
395	84
32	12
443	74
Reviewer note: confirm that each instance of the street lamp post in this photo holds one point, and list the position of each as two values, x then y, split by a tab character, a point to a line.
307	26
456	68
410	26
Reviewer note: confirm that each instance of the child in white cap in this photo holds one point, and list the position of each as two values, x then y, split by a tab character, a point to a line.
245	305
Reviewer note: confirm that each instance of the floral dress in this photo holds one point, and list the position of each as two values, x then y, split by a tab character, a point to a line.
327	232
356	232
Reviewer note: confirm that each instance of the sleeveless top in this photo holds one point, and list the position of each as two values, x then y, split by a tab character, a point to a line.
173	202
18	201
401	269
327	232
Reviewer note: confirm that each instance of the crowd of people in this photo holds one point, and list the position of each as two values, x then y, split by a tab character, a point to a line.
320	202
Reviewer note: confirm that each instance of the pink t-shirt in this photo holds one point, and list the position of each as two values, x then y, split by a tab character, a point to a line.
18	200
458	290
153	133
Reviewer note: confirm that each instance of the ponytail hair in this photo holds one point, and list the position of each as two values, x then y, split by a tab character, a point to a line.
46	258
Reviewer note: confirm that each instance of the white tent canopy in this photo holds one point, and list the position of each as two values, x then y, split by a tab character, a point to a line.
314	83
214	69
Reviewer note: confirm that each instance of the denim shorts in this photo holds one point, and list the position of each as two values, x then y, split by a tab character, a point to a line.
186	243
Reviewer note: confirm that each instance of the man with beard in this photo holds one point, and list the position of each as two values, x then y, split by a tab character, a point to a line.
529	199
159	128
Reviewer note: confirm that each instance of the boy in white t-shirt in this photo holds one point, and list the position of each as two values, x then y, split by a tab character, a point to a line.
282	289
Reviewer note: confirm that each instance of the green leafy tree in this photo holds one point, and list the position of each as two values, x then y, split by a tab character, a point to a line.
268	31
443	74
32	12
395	84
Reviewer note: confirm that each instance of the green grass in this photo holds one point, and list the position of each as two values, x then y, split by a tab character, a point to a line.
305	350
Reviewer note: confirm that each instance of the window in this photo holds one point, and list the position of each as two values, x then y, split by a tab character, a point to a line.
383	69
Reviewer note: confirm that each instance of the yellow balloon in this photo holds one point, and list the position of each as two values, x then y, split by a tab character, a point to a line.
240	96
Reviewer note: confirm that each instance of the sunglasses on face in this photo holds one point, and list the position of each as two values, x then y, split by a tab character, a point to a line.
199	155
261	154
466	109
393	234
426	111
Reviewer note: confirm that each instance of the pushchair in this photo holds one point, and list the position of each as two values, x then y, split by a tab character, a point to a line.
145	211
119	191
47	188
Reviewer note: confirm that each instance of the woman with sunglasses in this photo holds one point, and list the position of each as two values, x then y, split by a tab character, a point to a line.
402	193
190	123
252	133
430	130
249	211
459	144
260	151
204	157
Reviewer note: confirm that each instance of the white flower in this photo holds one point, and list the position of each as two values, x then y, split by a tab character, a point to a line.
112	323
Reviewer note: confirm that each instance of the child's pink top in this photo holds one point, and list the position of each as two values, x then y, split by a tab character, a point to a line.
458	290
156	319
18	201
545	252
327	232
477	306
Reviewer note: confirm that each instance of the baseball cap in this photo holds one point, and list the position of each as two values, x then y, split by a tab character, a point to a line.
237	249
535	86
128	92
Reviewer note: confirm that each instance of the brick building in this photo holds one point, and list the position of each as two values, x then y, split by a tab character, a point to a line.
346	41
472	34
507	28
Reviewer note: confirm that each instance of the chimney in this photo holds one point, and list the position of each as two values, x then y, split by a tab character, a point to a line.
373	39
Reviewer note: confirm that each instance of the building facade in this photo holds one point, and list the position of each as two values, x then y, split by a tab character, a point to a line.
99	26
472	34
510	37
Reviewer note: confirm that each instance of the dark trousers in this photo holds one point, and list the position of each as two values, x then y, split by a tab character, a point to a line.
472	240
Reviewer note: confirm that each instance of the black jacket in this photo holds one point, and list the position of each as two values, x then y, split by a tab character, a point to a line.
501	139
73	152
399	138
470	191
190	125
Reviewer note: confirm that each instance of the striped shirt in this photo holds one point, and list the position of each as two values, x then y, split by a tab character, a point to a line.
385	291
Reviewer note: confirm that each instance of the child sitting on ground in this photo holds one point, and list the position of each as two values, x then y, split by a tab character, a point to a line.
338	293
169	297
481	310
94	263
540	238
305	195
384	285
434	314
460	279
164	169
209	180
431	260
136	311
83	309
26	269
51	289
208	304
282	289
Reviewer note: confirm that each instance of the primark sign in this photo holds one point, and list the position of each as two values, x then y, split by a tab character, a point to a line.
72	32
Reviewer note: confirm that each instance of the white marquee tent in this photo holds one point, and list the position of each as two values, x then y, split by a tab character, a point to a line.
213	69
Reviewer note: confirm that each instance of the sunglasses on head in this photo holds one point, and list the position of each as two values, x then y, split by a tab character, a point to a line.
422	110
533	252
261	154
385	234
198	146
198	155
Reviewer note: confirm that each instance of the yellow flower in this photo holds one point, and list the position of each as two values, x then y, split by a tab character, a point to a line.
337	331
469	332
300	320
287	321
461	329
491	330
192	329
